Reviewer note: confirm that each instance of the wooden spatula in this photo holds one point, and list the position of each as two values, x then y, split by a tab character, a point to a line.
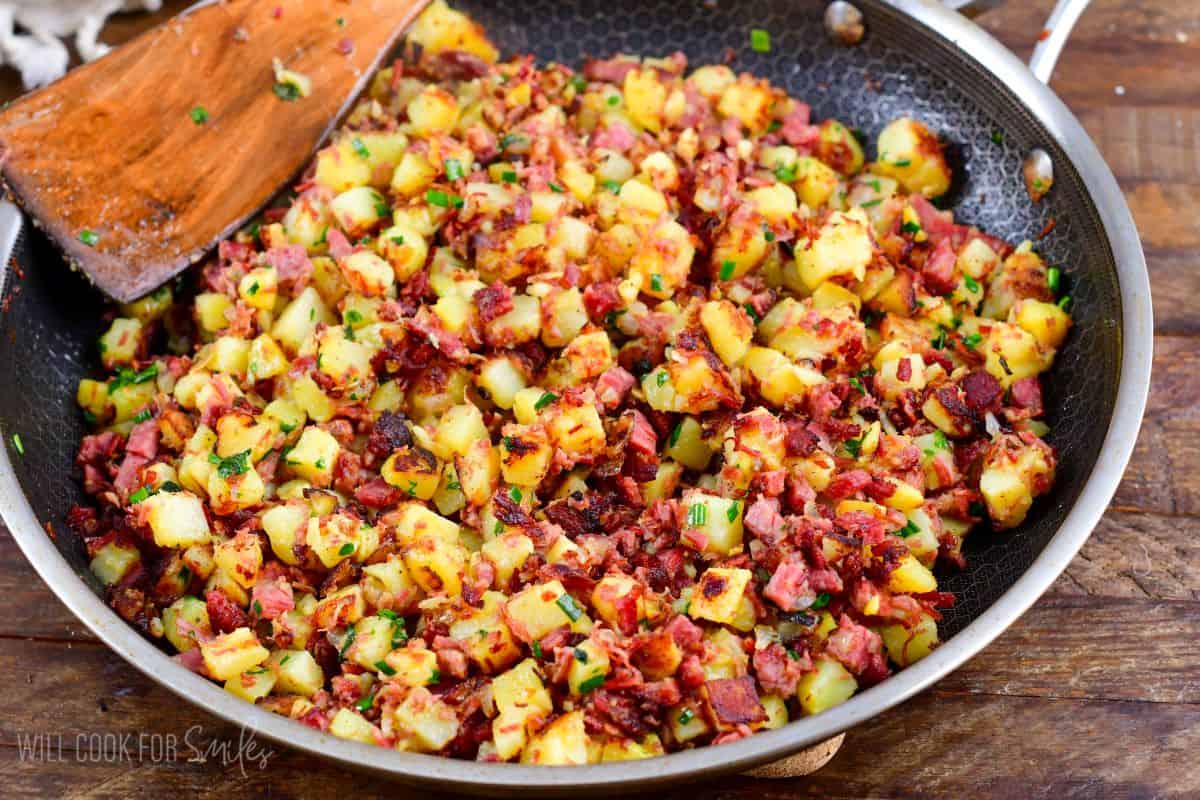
137	164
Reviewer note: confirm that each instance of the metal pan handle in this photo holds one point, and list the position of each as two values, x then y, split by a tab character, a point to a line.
1054	35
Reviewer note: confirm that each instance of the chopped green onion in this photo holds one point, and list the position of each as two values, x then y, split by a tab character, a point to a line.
199	115
569	606
911	227
360	149
760	40
435	678
656	283
454	169
594	682
732	513
1054	278
821	601
288	92
662	378
971	284
515	494
939	341
686	716
546	399
536	649
853	447
237	464
871	203
908	530
1064	302
139	495
727	268
508	176
697	515
554	187
614	99
674	439
580	655
346	549
612	186
385	668
90	238
972	340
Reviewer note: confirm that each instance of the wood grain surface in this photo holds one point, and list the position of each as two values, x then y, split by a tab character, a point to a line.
1094	694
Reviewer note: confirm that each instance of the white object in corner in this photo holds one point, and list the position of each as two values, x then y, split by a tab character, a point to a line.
37	51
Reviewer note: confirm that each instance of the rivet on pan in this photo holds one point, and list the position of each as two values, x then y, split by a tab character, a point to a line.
844	22
1039	173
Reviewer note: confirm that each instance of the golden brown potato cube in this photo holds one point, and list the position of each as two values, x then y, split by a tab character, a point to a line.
911	154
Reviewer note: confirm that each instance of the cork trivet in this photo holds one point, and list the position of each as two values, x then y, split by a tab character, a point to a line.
805	762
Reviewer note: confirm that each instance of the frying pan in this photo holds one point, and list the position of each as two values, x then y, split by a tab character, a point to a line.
918	58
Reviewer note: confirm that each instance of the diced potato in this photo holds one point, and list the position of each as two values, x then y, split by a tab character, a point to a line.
177	519
351	725
830	684
838	147
296	672
440	28
906	646
729	330
458	428
749	101
413	470
417	522
299	320
186	623
687	444
433	111
501	377
520	696
112	561
313	456
367	273
543	607
664	258
1046	322
284	525
233	653
1013	353
842	247
563	742
252	685
424	722
414	666
780	382
645	97
714	523
121	342
1013	473
436	566
522	324
577	429
718	594
487	639
909	152
507	553
911	577
413	175
815	182
343	607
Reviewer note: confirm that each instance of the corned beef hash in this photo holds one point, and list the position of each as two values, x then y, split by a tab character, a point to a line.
567	417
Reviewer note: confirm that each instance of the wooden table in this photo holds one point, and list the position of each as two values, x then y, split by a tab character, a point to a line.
1094	694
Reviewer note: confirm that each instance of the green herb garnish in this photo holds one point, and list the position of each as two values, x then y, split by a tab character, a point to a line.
569	606
727	269
199	115
233	465
760	40
546	399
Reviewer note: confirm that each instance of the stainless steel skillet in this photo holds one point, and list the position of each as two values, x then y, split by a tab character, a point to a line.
919	58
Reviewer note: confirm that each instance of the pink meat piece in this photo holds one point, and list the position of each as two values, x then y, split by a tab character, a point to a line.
764	520
789	588
270	598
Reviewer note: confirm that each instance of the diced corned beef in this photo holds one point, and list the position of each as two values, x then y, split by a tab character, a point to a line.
452	661
777	671
232	252
802	136
764	520
904	369
685	633
734	701
691	672
938	272
292	265
459	65
523	208
192	659
223	614
614	136
339	245
982	390
98	448
937	225
848	483
789	588
483	143
1026	394
378	493
825	580
770	482
613	387
493	301
601	298
428	326
799	441
859	649
612	70
823	400
143	440
660	693
859	524
641	448
270	598
129	474
879	490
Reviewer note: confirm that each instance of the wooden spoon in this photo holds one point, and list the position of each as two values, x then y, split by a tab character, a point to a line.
137	164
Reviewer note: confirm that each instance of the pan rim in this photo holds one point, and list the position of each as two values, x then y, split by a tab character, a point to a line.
1133	386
